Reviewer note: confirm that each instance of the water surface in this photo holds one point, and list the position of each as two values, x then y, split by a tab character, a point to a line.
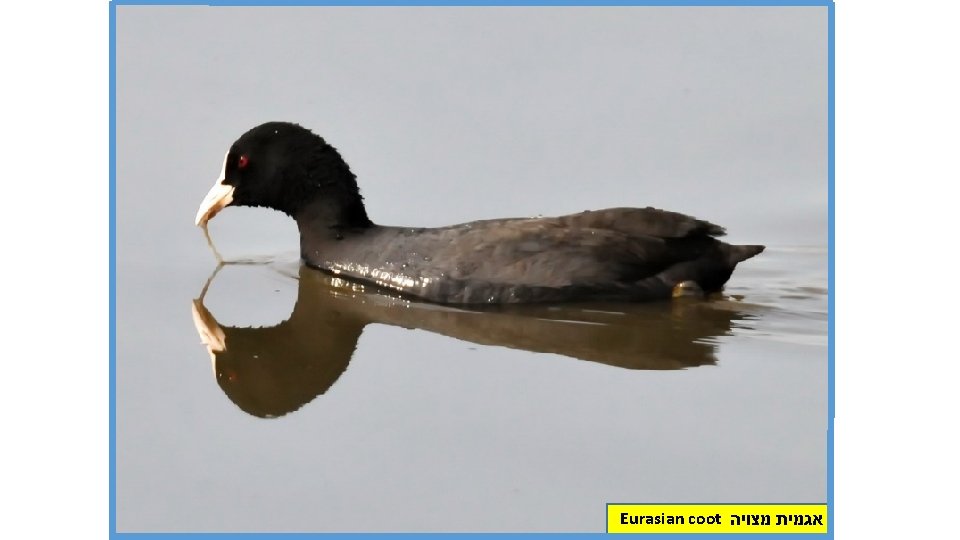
350	402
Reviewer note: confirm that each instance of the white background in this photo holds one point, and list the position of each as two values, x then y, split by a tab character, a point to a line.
896	162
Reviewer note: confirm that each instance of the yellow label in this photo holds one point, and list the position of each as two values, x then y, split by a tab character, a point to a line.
716	518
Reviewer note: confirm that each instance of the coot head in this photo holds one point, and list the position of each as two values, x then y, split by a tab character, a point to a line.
286	167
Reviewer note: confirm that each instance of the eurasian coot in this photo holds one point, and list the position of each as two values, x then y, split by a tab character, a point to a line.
628	254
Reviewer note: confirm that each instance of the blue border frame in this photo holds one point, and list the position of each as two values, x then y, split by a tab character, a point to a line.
113	269
831	292
601	3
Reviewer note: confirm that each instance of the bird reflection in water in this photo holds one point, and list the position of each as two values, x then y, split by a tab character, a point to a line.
272	371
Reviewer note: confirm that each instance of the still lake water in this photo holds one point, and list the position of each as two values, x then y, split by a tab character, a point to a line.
335	409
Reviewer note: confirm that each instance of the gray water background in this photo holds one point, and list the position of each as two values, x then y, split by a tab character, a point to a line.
448	115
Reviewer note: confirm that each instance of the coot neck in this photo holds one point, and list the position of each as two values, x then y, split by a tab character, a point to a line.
332	218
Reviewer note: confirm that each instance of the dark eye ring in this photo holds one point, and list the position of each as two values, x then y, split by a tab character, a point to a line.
243	161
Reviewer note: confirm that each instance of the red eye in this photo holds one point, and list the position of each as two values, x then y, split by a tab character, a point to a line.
242	162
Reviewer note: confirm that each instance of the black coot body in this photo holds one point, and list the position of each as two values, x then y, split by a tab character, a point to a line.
618	254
